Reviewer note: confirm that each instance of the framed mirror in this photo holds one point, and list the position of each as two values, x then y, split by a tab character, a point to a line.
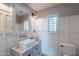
22	18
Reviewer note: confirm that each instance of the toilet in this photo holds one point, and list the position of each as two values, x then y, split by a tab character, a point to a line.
67	49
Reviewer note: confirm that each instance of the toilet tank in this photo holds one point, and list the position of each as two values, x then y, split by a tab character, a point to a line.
68	49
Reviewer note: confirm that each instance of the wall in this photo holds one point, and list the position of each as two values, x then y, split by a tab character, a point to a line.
61	9
5	7
68	30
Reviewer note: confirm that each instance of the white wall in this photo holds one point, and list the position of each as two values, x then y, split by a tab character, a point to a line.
68	29
68	33
48	44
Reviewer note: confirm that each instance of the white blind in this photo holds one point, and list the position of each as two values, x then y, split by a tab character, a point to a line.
52	24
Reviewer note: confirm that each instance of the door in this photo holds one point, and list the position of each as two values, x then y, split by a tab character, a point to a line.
9	41
2	34
5	32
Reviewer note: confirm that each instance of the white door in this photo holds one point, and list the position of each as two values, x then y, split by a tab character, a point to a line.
2	34
9	42
5	30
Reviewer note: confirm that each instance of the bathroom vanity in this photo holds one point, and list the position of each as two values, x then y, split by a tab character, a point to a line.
26	48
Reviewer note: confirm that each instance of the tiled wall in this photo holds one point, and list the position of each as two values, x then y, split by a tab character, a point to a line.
47	43
68	33
68	29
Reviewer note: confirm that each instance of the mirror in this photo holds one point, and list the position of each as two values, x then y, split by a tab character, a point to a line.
22	18
23	22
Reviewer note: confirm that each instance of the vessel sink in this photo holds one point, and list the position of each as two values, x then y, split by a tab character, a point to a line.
26	43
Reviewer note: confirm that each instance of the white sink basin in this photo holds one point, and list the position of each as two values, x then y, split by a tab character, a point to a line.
26	43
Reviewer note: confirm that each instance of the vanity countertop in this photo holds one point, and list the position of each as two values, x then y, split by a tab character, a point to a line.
22	50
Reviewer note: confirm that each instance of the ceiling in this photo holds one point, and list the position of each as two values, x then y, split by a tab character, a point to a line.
41	6
20	10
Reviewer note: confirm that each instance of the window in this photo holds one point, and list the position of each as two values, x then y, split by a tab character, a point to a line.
26	25
52	24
